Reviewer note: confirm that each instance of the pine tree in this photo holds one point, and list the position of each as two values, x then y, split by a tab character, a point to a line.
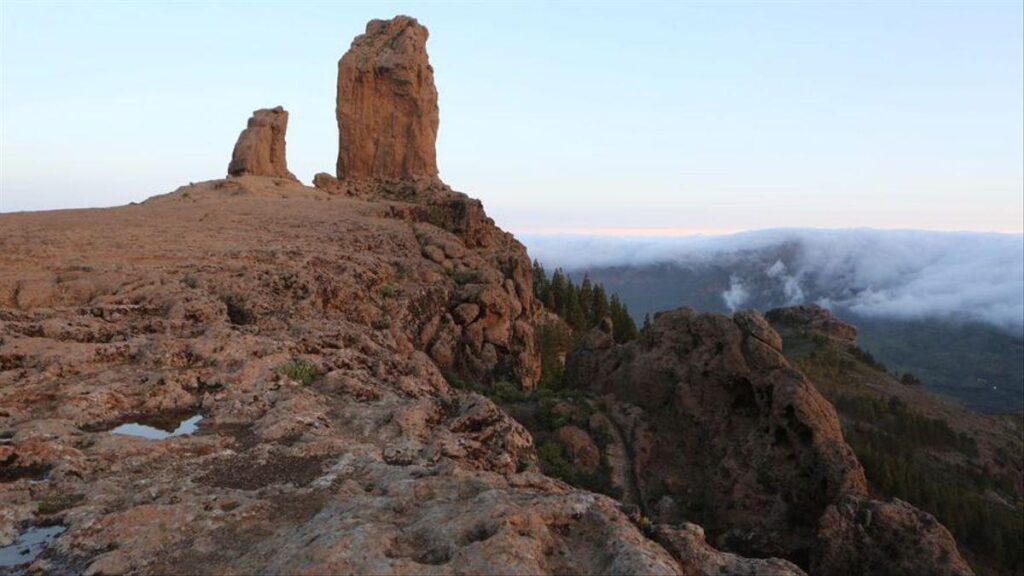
541	284
624	328
574	310
599	308
559	292
587	301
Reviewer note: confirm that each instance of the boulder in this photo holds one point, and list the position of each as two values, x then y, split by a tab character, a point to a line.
582	450
689	546
859	536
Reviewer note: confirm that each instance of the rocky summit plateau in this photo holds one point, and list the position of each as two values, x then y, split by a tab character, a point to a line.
341	379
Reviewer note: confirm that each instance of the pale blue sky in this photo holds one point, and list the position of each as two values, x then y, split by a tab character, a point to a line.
675	116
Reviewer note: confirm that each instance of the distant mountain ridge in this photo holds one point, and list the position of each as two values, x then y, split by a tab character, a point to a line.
947	307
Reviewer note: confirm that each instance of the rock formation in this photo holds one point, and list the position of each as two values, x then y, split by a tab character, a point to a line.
859	536
329	345
260	150
733	437
387	104
727	434
816	320
331	442
688	544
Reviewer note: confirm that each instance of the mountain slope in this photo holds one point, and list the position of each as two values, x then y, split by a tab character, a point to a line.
964	467
977	364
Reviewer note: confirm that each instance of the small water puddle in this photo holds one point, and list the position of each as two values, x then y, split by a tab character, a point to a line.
29	545
161	430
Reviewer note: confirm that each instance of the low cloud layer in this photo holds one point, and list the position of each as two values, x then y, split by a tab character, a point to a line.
884	273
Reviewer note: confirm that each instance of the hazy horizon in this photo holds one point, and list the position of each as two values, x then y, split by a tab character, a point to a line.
908	274
671	118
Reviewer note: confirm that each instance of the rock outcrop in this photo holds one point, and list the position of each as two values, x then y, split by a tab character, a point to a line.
816	321
323	336
331	442
387	120
730	434
725	433
387	104
860	536
260	150
688	544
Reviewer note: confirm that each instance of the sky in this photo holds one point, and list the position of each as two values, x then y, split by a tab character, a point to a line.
602	118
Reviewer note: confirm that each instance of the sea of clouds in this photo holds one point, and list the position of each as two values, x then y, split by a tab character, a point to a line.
884	273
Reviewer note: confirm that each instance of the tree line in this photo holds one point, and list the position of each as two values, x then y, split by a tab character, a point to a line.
583	306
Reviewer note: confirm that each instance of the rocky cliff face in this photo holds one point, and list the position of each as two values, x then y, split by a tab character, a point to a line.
939	447
387	104
730	436
724	432
260	150
387	120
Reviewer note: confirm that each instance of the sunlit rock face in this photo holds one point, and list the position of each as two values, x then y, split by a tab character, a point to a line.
387	104
260	150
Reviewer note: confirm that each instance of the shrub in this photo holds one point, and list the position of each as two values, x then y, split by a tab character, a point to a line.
546	415
54	503
646	525
866	357
909	379
302	371
462	278
553	462
388	291
505	392
455	382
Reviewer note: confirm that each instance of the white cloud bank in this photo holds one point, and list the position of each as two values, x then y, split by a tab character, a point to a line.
888	273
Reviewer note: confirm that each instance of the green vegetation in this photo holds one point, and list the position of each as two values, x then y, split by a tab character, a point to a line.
893	416
991	530
505	392
58	502
554	463
554	341
582	307
300	370
979	365
866	357
917	458
908	379
388	291
465	277
646	526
